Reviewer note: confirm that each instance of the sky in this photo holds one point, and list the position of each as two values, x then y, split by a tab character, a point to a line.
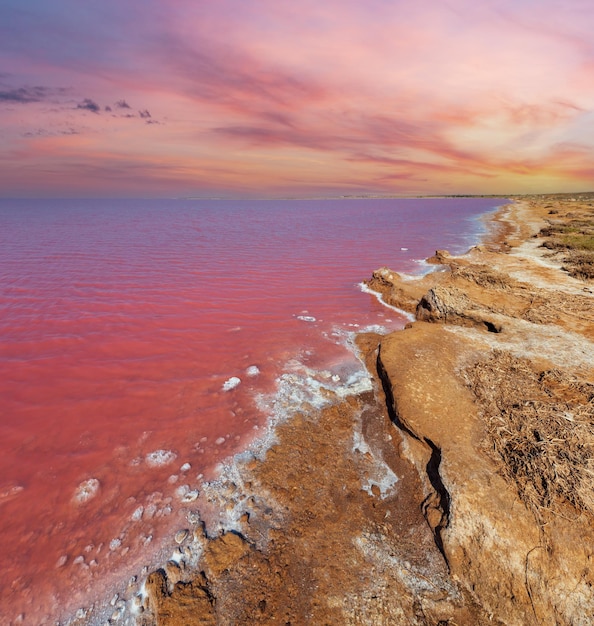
279	98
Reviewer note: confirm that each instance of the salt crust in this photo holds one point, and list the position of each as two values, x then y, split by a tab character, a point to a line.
159	458
299	389
365	289
306	318
231	383
86	491
252	371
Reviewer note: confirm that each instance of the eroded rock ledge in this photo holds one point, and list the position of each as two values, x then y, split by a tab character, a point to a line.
459	492
497	375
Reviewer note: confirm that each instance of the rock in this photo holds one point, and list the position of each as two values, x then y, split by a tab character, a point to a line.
441	257
442	304
224	551
180	535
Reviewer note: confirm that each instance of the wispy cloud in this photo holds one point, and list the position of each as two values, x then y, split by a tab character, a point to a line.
376	95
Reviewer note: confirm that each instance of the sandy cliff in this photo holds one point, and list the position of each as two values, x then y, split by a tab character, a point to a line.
459	491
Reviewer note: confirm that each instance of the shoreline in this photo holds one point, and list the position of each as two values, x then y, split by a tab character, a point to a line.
352	479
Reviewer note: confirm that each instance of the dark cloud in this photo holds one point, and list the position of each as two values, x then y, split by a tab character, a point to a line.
25	95
89	105
122	104
144	114
40	132
44	132
108	108
152	122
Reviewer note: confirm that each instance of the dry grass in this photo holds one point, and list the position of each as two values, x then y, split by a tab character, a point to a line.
579	264
540	429
573	238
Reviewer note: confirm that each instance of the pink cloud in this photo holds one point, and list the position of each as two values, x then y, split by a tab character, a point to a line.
387	95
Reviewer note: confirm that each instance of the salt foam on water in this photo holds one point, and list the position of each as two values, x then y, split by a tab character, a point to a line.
365	289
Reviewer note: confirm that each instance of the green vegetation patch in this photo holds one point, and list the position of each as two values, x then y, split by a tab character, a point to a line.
578	241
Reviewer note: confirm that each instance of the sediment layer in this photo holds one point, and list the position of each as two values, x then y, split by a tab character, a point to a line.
458	491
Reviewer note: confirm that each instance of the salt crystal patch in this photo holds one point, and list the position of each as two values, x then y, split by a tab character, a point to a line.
86	490
306	318
252	370
62	561
160	457
137	514
114	544
220	440
191	496
182	490
185	467
231	383
11	491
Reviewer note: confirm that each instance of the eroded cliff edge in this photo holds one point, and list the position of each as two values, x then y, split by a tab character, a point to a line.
496	381
459	491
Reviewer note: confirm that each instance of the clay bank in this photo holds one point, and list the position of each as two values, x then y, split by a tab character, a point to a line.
456	488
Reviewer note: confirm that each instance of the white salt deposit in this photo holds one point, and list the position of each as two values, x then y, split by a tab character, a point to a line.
159	458
231	383
61	561
359	444
137	514
86	490
306	318
385	485
114	544
365	289
182	490
252	371
186	467
191	496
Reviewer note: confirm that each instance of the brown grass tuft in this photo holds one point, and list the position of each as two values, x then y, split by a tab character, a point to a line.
573	239
540	429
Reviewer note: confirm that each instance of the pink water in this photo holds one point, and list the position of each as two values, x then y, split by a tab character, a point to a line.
120	322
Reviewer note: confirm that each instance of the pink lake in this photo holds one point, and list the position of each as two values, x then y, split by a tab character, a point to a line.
122	323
